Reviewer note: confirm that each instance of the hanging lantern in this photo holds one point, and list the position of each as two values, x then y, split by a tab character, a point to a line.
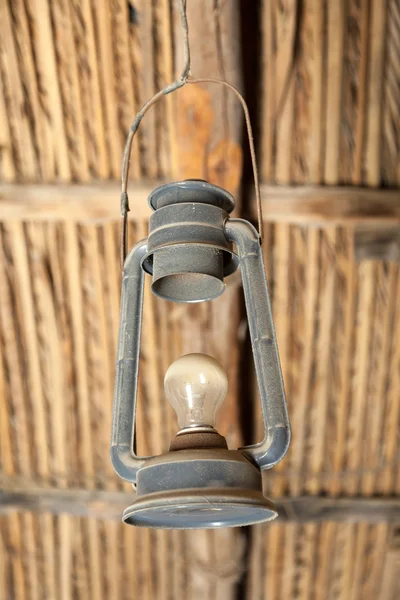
193	245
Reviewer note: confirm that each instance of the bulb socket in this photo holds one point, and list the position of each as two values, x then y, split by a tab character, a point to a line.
198	439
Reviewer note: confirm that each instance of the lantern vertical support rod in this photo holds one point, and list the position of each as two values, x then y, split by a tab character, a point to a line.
265	350
123	457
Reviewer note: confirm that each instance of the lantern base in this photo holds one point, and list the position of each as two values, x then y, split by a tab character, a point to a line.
199	489
200	509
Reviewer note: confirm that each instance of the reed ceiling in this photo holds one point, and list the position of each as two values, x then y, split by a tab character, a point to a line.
323	84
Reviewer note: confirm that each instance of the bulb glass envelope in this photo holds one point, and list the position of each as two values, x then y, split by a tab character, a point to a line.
189	252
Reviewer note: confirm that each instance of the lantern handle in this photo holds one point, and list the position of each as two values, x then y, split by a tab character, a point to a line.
123	457
265	349
134	128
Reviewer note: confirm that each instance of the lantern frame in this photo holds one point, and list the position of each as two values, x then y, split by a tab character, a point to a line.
244	236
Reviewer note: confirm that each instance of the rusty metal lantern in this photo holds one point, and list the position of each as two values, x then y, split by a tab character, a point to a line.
192	246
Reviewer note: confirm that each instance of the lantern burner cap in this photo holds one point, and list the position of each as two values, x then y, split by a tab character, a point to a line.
188	252
191	190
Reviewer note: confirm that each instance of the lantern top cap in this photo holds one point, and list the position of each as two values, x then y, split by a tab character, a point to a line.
191	190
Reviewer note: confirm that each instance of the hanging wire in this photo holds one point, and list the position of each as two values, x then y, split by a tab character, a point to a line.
184	79
251	143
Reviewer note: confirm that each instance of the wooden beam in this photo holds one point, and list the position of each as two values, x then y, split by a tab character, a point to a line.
334	205
104	504
303	205
97	202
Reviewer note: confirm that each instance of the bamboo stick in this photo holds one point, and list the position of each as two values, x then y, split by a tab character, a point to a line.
335	586
315	10
389	159
256	567
70	89
356	417
81	564
284	147
359	135
321	390
344	342
375	86
12	87
348	559
289	562
79	345
303	101
380	540
322	580
3	565
269	102
334	76
359	557
387	481
46	64
105	65
307	357
311	559
87	51
284	109
7	166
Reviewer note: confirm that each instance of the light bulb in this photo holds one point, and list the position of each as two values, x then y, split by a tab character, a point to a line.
195	386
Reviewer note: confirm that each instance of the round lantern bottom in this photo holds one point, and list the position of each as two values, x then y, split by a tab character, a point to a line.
200	509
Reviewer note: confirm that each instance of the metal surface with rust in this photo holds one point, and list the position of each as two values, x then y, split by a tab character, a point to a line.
265	348
123	457
200	509
199	488
198	439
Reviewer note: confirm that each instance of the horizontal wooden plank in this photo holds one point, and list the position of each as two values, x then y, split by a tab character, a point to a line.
98	202
319	205
104	504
